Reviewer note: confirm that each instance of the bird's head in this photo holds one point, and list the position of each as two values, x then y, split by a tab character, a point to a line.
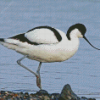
78	30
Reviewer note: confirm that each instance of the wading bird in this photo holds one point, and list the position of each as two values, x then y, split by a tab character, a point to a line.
46	44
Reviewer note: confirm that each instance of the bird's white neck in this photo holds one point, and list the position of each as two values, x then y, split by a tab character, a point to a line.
73	43
75	34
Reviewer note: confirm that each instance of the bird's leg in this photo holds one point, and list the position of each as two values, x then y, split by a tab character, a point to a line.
38	79
19	63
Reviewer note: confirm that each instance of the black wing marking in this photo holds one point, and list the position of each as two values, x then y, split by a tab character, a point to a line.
22	38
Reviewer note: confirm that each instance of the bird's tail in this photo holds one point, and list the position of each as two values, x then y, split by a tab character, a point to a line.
1	40
15	45
9	43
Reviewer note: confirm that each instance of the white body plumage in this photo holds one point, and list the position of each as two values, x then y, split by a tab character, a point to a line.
49	48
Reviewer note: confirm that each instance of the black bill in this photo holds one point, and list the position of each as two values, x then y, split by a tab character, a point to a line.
90	43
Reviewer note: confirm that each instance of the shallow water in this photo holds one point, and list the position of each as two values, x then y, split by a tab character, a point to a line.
82	71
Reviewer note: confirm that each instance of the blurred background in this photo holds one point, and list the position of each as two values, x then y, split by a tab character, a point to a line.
82	71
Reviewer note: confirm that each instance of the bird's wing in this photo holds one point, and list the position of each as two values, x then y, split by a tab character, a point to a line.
40	35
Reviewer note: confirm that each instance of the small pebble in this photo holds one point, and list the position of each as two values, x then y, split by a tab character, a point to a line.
42	92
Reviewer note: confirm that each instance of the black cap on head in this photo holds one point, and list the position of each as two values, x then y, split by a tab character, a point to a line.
82	29
79	26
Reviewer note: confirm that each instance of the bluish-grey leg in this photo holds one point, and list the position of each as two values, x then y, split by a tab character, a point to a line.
37	74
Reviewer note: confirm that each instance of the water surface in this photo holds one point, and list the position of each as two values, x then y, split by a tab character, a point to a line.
82	71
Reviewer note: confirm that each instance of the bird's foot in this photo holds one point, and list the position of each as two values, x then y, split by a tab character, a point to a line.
38	81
